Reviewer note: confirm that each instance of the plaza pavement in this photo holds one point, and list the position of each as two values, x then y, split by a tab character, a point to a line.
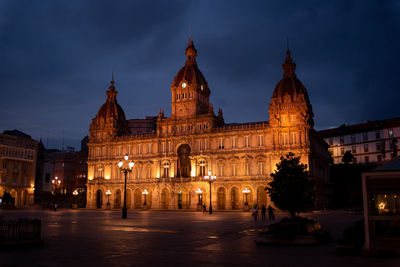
172	238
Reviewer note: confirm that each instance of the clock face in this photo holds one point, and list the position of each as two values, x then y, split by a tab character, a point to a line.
183	85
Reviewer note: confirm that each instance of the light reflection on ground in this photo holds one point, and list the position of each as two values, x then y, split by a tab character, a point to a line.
102	238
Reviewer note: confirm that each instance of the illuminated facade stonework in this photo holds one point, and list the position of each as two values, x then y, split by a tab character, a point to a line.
173	154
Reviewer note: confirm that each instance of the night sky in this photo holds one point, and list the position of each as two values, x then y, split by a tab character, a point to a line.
57	57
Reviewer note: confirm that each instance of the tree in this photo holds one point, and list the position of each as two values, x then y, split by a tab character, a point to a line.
330	157
292	188
348	157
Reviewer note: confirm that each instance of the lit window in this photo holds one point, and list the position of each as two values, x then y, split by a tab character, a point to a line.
285	139
293	138
246	141
261	168
260	140
220	143
233	169
221	170
166	170
391	133
247	168
202	168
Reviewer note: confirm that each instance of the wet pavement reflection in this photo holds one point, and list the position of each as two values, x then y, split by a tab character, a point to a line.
89	237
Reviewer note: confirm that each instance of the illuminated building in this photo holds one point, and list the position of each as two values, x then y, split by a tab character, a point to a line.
173	154
18	154
369	142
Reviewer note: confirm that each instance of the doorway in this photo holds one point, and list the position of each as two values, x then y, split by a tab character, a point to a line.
99	199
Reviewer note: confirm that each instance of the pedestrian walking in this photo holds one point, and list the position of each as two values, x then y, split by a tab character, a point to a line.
271	215
263	212
204	208
255	211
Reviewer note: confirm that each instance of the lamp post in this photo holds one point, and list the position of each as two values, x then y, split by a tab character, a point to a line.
125	167
246	205
74	204
144	193
56	182
108	193
210	178
199	193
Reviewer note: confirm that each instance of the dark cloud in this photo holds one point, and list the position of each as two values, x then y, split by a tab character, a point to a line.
57	57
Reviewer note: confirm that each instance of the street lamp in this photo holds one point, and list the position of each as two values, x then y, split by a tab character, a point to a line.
74	204
199	193
108	193
144	193
246	205
210	178
56	182
125	167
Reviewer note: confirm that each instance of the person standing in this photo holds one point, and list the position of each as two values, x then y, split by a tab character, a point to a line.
204	208
255	212
271	215
263	212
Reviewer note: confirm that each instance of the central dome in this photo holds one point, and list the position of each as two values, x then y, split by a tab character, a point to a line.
190	73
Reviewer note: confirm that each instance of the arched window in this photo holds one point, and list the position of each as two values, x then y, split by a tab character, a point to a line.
166	170
202	164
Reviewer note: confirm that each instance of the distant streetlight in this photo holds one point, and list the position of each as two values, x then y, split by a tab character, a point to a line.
145	193
125	167
210	178
246	191
74	200
56	182
108	193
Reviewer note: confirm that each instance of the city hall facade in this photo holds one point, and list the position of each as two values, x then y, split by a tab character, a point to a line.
172	155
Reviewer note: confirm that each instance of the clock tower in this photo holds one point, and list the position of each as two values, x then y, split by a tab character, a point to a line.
190	92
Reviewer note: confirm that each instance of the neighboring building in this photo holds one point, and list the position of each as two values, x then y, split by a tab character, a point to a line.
172	155
381	198
68	166
370	142
18	154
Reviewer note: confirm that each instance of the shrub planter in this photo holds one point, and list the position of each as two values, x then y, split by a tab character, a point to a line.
293	232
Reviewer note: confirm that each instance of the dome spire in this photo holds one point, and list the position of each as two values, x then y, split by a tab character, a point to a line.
191	53
112	93
288	66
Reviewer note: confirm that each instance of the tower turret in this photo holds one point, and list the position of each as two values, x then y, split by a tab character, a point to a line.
190	92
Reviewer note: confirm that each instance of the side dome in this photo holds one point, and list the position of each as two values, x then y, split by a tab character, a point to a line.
290	85
110	120
290	103
111	109
190	73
